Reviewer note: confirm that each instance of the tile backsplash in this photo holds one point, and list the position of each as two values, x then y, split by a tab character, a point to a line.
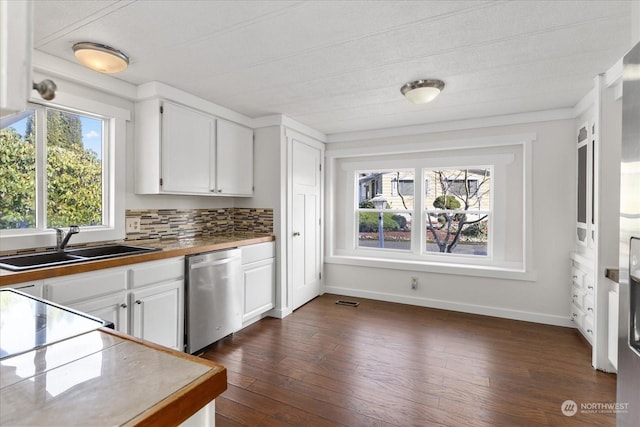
184	223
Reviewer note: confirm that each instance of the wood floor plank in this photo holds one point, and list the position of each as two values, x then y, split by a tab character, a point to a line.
385	364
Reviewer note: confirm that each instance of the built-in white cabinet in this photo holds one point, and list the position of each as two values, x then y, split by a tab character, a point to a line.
31	288
144	300
16	47
258	272
582	297
180	150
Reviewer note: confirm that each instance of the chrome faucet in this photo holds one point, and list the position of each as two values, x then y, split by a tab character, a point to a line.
60	234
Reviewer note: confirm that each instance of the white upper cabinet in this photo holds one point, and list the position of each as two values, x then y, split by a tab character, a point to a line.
15	55
180	150
234	165
187	150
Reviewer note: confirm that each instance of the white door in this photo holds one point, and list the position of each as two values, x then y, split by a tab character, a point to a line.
305	235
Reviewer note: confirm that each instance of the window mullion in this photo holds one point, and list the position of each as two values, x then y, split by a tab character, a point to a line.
417	225
41	167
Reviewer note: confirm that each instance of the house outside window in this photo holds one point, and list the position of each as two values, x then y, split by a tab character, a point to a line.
388	225
456	216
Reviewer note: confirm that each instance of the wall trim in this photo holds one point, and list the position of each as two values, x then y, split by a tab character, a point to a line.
476	123
289	123
527	316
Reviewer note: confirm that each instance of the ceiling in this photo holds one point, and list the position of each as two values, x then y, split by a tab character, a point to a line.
337	66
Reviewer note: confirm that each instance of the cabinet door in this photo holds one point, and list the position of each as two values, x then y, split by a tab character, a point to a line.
187	150
156	314
234	166
258	288
15	55
112	308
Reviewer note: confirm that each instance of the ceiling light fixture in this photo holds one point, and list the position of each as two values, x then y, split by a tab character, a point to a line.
101	58
422	91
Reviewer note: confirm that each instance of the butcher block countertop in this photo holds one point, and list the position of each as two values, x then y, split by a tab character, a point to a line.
170	248
105	378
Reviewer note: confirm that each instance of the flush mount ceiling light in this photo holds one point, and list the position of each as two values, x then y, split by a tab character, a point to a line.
422	91
101	58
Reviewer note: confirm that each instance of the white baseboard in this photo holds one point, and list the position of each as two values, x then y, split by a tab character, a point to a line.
278	313
505	313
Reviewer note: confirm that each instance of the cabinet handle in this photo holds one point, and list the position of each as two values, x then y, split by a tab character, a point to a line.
589	309
138	301
123	305
589	331
589	287
296	233
574	314
575	296
219	190
574	277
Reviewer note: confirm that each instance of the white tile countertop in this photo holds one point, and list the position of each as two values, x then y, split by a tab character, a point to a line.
104	378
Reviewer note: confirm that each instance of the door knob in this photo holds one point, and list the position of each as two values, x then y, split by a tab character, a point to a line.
296	233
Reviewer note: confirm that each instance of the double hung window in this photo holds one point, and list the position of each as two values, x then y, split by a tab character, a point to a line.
52	169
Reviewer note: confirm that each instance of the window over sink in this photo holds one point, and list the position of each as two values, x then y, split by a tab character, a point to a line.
60	153
58	167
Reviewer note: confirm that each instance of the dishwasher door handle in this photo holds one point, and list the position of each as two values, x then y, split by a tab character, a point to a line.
212	264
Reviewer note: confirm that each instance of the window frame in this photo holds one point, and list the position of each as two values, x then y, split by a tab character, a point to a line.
113	170
343	160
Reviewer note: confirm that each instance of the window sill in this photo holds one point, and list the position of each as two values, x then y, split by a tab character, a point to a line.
47	239
434	267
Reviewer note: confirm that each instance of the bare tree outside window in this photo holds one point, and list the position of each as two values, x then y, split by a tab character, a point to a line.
458	216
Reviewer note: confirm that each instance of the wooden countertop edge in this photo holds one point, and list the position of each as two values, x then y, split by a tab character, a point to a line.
185	402
12	277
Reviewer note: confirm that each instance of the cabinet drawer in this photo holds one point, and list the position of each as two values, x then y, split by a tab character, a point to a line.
30	288
577	316
86	285
156	272
588	304
577	277
577	296
260	251
587	326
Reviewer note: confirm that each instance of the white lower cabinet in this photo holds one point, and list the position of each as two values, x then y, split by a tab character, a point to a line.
30	288
144	300
156	314
113	308
258	272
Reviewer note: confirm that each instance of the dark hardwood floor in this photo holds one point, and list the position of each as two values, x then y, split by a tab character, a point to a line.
384	364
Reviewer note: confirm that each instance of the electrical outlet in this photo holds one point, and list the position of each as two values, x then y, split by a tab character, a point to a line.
132	225
414	283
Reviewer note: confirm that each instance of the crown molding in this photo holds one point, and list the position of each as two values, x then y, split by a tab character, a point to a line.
478	123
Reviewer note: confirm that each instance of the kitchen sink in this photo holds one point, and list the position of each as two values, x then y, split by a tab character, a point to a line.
51	259
37	260
110	251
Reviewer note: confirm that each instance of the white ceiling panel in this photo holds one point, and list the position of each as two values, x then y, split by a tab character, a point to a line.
337	66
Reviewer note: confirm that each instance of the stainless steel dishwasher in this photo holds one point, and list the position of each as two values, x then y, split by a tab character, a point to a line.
213	292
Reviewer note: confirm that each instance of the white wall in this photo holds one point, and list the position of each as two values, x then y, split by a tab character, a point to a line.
544	299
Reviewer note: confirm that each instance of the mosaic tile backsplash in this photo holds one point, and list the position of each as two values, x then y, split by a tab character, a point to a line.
187	223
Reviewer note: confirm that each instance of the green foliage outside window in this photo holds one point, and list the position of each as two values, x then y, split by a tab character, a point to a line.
73	175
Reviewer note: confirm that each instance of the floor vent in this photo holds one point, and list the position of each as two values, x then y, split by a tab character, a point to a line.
349	303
